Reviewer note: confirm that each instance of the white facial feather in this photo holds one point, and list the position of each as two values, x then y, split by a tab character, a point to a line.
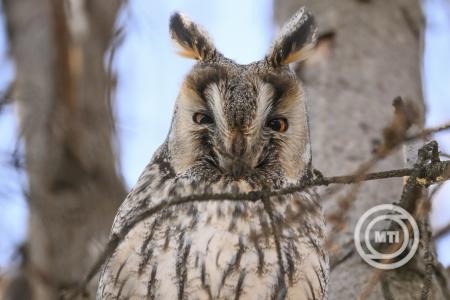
214	95
296	142
263	107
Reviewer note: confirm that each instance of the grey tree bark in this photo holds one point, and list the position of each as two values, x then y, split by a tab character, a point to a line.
368	53
61	91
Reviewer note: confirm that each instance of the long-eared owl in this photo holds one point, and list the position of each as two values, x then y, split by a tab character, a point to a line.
235	129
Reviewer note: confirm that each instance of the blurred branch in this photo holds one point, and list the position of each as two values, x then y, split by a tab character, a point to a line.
445	155
6	96
392	137
440	233
417	203
62	93
427	132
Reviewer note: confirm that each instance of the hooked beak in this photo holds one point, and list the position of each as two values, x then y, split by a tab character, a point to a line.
234	162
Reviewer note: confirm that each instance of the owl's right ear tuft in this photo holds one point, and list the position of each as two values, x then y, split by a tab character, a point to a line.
190	39
295	41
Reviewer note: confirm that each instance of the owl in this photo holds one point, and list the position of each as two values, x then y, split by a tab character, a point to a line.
235	129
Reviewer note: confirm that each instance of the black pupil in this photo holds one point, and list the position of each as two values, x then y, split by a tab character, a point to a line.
200	118
278	124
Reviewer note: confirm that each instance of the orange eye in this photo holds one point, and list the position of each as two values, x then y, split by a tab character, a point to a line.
278	124
202	119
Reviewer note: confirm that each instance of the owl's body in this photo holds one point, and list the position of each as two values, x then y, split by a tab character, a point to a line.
236	129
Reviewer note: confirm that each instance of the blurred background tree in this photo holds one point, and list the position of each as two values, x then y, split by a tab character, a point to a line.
368	53
62	93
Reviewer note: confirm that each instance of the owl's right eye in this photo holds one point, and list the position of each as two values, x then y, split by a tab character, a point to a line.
202	119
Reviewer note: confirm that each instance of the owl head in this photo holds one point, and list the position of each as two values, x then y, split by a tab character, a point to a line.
242	122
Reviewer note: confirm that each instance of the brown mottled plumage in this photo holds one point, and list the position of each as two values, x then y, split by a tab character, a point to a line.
236	128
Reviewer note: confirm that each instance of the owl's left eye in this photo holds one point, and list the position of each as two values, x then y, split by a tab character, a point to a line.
202	119
278	124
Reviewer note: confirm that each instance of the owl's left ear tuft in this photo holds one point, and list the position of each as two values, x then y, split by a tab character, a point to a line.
190	39
295	41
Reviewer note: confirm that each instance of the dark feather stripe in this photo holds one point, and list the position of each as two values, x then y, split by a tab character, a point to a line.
166	239
290	264
205	284
239	253
276	238
234	264
226	272
119	271
194	214
239	285
311	288
119	291
217	257
147	252
261	260
264	225
151	286
279	288
238	213
321	277
146	257
184	248
149	236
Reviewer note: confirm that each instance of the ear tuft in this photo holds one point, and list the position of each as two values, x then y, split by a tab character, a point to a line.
190	39
295	41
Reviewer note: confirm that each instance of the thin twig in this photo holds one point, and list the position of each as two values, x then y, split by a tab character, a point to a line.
250	196
411	201
365	292
348	251
434	173
444	155
392	137
435	190
427	132
376	273
370	176
440	233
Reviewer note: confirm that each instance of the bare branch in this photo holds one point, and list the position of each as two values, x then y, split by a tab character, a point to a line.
253	196
392	136
427	132
421	175
440	233
444	155
414	200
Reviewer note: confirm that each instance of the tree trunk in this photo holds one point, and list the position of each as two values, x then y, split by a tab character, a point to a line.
62	93
368	53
